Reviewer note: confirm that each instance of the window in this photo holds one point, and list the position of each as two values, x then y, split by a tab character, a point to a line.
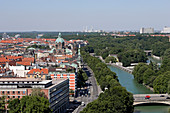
8	96
28	75
23	92
13	97
8	92
18	92
13	92
18	96
3	92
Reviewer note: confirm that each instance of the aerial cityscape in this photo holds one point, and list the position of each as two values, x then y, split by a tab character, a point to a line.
84	56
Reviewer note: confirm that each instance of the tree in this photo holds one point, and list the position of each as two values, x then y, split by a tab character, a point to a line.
81	78
138	72
2	104
147	75
37	104
115	99
14	106
37	92
110	59
169	87
29	104
160	84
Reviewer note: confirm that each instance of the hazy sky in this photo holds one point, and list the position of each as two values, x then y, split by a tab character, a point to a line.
72	15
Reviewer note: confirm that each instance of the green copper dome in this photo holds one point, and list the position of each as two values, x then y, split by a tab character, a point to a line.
59	39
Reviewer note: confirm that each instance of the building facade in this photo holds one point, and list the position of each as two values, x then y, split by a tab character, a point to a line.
146	30
71	76
57	90
166	30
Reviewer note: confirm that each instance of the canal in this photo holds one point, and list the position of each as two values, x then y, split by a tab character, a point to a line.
127	81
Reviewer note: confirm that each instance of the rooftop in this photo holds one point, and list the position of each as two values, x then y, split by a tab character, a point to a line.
57	81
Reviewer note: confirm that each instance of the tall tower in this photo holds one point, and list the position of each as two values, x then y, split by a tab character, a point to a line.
4	36
60	43
79	57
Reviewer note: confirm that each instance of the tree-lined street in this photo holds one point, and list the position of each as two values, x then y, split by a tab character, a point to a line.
88	93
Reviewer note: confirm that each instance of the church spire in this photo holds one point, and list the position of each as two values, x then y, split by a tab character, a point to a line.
59	35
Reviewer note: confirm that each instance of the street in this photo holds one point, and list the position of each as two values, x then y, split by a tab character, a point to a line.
90	93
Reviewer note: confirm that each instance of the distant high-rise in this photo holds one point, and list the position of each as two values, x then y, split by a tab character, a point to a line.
4	36
166	30
85	29
146	30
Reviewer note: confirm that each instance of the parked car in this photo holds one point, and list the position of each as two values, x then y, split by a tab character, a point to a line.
75	101
82	103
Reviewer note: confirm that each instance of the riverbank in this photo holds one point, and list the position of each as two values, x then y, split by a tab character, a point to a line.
125	69
149	87
121	67
130	72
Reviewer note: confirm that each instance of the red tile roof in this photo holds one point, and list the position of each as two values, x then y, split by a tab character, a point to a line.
24	63
13	57
31	59
33	71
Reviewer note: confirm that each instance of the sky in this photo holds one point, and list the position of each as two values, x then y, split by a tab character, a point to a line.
74	15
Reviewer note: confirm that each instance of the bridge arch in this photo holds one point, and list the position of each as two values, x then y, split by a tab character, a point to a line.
148	52
166	103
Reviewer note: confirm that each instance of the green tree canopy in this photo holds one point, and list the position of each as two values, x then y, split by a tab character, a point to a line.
110	59
37	92
160	84
29	104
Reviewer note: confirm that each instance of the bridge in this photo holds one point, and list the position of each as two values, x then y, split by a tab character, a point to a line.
139	99
148	52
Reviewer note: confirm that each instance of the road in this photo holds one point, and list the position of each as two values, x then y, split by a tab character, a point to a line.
92	87
153	97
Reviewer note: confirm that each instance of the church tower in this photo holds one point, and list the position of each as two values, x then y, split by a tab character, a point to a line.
60	45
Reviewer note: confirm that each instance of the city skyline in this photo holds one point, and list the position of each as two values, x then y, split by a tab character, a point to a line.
108	15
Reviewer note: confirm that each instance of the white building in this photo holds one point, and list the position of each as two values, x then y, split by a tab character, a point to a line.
19	70
166	30
146	30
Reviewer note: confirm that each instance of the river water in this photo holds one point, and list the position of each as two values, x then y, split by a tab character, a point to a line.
127	81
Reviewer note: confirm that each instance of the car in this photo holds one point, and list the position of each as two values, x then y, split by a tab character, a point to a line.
162	96
82	103
147	97
167	97
75	101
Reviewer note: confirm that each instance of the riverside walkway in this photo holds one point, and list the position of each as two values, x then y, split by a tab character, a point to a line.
114	64
121	67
